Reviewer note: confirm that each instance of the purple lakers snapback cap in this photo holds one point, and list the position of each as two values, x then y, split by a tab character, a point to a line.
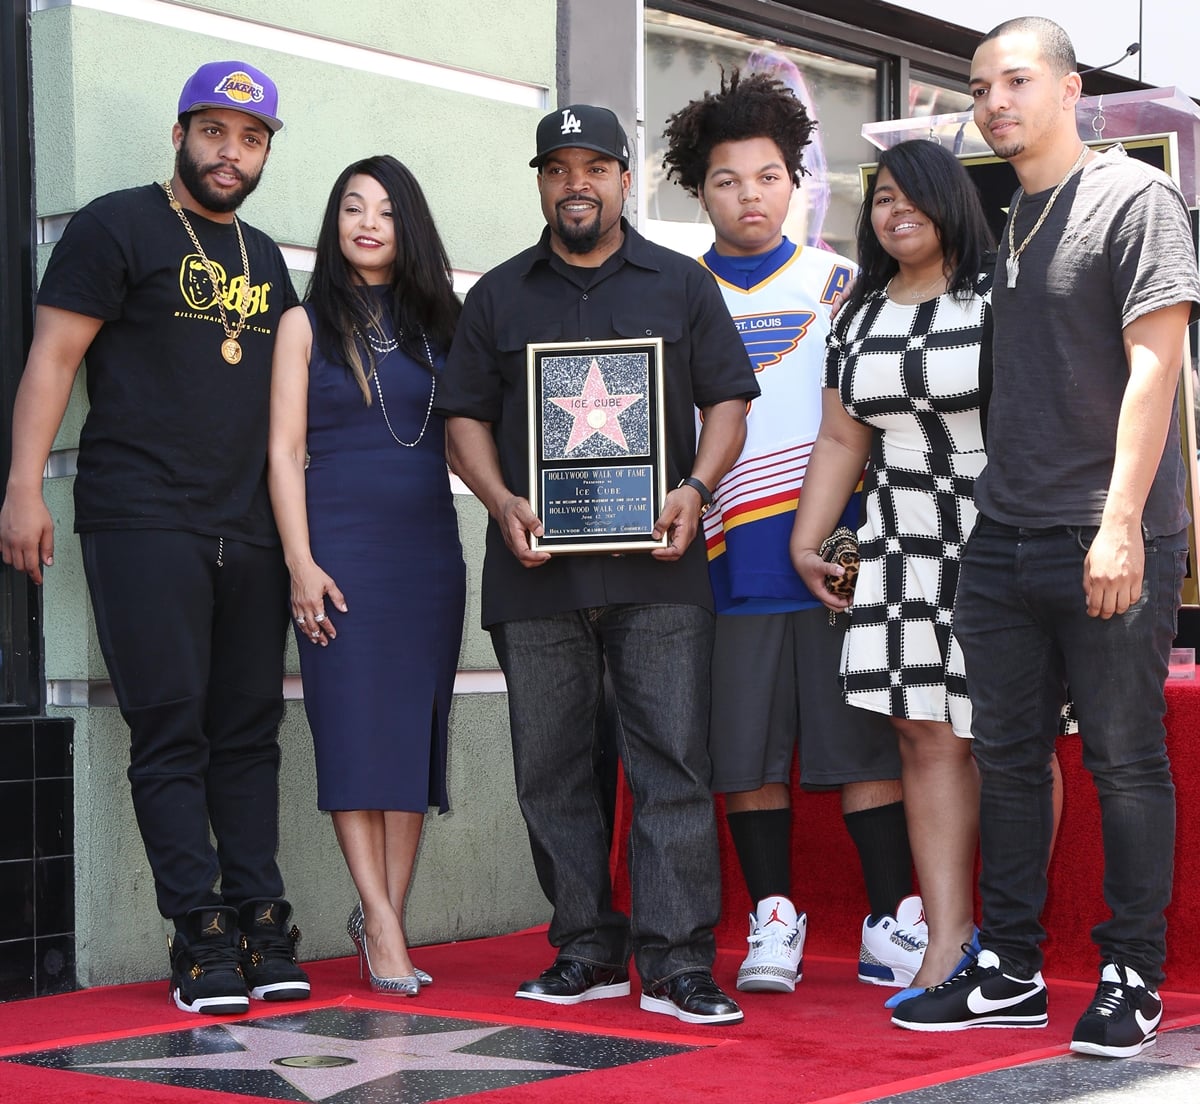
233	85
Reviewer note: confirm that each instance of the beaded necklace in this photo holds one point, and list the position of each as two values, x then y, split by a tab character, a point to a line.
382	346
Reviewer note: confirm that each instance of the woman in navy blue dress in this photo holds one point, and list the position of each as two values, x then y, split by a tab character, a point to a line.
362	499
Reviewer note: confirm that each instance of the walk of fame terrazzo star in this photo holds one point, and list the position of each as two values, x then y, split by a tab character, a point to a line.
346	1055
371	1059
596	410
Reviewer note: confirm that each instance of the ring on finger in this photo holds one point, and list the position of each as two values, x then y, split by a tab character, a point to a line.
299	620
318	618
316	635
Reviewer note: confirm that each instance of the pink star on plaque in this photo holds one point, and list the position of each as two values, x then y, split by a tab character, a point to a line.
595	410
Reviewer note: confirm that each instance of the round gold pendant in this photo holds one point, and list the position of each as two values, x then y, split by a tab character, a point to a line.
231	350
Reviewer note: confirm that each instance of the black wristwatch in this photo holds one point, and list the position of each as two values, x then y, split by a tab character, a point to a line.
700	489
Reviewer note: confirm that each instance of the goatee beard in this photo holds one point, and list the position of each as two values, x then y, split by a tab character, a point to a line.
580	238
195	179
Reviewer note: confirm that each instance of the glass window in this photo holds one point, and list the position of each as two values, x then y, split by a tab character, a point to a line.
930	95
684	58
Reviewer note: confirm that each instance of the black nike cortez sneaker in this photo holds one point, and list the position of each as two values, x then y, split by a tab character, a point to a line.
1122	1019
982	995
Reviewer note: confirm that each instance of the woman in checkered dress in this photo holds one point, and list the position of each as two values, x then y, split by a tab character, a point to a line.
904	390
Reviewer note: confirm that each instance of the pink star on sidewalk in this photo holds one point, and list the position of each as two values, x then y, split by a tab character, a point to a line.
595	410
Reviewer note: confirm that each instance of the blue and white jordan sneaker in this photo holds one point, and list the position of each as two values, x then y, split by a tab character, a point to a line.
893	947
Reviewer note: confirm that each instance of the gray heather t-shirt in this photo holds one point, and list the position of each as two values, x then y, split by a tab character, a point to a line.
1115	246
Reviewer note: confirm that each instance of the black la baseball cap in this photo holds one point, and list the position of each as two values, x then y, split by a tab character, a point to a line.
581	126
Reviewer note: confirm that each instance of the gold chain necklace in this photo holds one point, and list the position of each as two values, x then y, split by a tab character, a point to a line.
1012	262
230	349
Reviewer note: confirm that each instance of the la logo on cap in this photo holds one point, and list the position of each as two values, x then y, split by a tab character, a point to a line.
570	124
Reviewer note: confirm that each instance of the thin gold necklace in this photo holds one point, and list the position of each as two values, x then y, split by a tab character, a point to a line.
920	294
230	349
1012	262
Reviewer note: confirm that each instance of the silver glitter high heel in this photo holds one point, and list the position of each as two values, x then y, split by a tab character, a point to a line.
409	985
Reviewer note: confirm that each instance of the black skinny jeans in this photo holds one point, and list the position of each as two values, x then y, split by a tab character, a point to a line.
195	652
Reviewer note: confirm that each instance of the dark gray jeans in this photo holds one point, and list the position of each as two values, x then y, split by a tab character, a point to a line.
658	659
1021	618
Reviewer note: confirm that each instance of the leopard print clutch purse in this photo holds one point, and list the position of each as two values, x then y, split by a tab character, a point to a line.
841	547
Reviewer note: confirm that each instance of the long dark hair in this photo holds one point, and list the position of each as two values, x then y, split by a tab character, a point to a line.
937	184
420	298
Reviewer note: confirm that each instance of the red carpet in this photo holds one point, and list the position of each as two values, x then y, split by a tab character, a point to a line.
827	881
831	1041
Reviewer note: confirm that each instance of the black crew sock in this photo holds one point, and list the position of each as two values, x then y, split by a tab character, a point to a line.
881	836
763	841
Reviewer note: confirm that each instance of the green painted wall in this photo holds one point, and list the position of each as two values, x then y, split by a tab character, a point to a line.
504	38
95	134
105	90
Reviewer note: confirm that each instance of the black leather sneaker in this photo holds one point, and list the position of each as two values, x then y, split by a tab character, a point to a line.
693	998
570	981
268	949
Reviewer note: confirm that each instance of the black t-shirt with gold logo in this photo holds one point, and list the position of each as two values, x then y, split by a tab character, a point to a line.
176	437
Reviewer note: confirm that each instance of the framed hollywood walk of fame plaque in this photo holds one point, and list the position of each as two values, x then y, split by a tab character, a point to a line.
597	444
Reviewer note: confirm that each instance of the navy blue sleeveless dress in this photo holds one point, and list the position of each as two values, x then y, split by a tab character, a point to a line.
382	523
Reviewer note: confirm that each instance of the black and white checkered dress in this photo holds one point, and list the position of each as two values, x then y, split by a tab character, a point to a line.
912	373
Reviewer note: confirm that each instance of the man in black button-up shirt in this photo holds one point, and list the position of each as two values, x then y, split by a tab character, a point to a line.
557	621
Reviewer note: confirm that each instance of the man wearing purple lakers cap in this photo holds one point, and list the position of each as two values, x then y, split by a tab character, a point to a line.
557	620
175	302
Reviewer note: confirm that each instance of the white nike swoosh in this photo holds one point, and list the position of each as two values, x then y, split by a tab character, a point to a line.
1144	1024
979	1004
